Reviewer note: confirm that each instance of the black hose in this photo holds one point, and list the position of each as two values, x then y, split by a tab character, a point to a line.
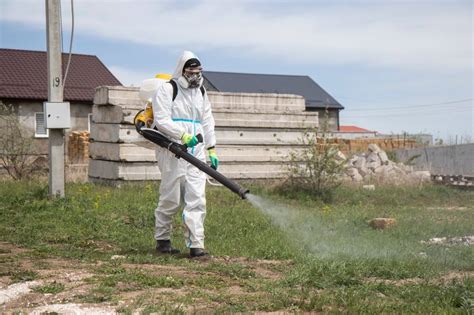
181	152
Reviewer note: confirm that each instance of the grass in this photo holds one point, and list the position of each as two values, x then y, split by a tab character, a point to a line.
323	256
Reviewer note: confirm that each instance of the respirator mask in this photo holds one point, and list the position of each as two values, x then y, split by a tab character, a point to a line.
193	76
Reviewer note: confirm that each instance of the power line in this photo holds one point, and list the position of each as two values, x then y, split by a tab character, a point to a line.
61	26
412	106
408	113
70	44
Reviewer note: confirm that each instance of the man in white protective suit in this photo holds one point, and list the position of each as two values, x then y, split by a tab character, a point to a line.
181	111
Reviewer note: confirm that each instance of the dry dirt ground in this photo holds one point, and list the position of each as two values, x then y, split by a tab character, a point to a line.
79	282
39	284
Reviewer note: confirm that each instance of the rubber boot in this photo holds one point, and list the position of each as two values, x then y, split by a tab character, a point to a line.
199	253
164	247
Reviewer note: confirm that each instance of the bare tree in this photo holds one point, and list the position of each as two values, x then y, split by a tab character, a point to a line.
15	145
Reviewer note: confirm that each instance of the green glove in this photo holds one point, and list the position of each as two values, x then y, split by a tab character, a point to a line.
213	158
189	140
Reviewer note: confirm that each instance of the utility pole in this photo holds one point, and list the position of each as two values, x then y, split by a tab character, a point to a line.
55	95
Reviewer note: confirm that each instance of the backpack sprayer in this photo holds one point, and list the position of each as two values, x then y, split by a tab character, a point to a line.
143	121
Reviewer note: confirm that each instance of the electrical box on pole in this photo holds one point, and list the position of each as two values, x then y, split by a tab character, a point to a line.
57	115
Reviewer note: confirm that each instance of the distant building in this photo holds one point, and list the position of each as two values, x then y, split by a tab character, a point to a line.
23	84
352	132
316	98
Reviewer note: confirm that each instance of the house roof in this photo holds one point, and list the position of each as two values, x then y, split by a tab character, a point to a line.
315	96
354	129
24	75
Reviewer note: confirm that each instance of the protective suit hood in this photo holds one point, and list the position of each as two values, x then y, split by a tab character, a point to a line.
178	72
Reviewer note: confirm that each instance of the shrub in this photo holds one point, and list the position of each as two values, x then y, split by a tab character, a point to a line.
317	168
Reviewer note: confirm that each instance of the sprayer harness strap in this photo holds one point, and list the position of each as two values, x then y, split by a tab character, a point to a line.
175	89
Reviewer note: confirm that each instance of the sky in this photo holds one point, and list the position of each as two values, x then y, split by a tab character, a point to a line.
395	65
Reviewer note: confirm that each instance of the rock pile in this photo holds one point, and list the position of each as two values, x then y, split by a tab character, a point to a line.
375	165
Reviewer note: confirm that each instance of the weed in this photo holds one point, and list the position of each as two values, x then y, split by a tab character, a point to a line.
23	275
52	288
392	156
233	271
412	159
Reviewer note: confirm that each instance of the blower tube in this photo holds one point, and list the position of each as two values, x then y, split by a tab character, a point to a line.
181	151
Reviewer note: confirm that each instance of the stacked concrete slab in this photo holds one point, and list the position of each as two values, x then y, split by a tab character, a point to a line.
255	134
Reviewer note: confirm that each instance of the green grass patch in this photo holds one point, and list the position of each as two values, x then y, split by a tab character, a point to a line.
111	275
327	252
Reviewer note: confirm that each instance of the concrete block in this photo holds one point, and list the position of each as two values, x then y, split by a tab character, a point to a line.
121	95
117	95
353	160
254	136
126	152
398	170
383	157
254	170
130	152
374	148
360	162
259	119
363	170
373	157
123	170
357	178
256	153
388	169
372	165
257	101
114	114
114	133
351	171
423	176
111	170
379	169
124	115
243	153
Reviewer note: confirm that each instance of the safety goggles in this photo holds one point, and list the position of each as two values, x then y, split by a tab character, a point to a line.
191	71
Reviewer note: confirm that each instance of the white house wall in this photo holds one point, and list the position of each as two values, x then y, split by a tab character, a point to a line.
26	114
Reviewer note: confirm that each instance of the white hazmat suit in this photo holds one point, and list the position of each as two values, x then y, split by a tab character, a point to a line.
189	113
